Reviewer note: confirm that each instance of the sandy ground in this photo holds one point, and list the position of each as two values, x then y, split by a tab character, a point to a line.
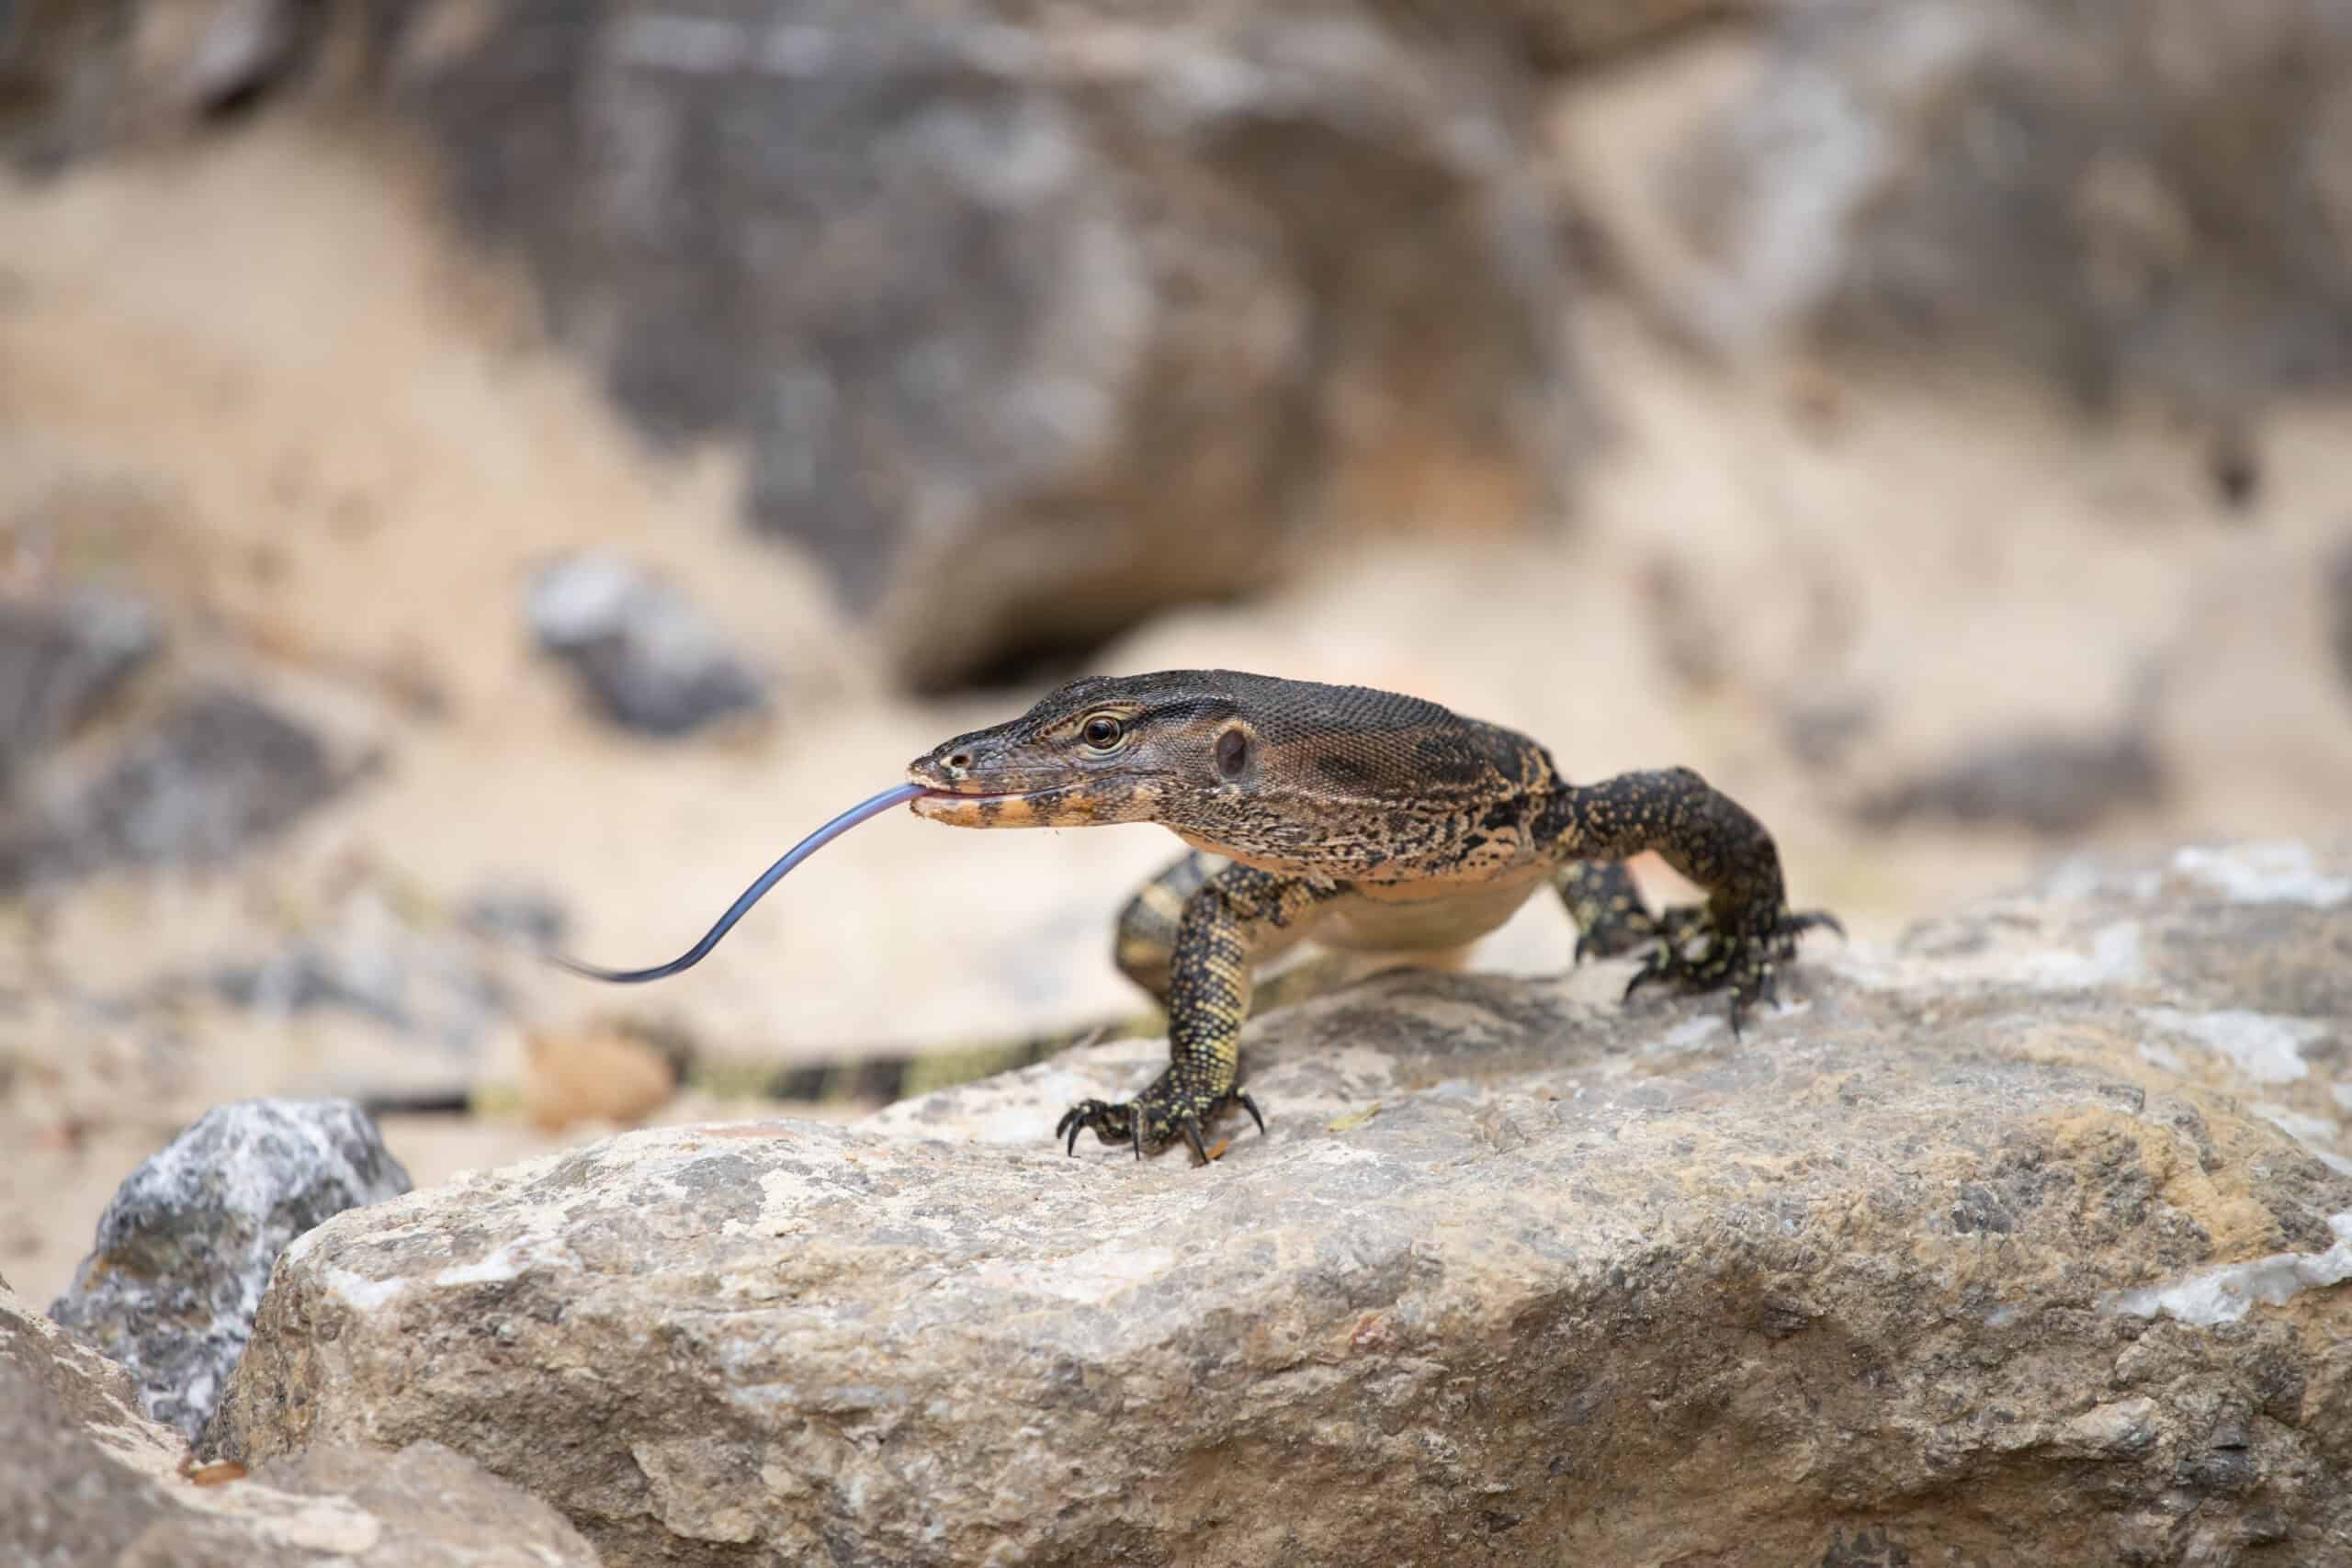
260	383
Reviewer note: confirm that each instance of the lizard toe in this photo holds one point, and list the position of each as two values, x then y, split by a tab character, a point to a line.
1109	1122
1190	1127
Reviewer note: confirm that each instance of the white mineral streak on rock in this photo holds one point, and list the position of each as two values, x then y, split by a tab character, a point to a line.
2227	1293
2264	873
2115	958
2267	1049
2316	1131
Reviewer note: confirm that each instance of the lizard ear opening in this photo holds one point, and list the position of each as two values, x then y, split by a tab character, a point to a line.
1232	754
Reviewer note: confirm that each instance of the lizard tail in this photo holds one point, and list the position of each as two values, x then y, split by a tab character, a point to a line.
895	796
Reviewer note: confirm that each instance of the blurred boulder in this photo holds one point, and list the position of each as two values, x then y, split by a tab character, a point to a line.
76	75
1565	35
650	660
60	661
85	1481
367	953
2054	784
215	771
1034	320
1030	320
2141	198
186	1244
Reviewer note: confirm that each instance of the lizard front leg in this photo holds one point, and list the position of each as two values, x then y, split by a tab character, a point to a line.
1736	941
1235	918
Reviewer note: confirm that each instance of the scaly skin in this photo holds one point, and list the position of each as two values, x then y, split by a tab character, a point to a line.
1369	820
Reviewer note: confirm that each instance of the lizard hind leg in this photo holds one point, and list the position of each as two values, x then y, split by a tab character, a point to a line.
1145	937
1610	917
1236	914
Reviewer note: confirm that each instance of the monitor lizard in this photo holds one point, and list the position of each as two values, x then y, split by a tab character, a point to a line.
1364	820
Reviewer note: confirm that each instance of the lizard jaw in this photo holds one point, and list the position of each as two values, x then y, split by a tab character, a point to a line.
1073	805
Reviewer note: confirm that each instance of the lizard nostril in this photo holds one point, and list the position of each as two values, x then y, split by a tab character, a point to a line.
960	760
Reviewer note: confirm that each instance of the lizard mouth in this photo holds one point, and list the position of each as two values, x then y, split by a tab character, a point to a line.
965	806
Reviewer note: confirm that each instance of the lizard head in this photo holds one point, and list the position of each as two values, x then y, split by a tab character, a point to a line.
1288	775
1101	750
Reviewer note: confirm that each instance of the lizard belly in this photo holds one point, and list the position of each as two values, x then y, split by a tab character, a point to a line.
1363	923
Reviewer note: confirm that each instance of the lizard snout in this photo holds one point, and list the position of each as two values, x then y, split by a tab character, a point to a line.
947	767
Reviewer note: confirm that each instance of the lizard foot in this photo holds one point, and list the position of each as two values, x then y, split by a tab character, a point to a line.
1151	1120
1693	953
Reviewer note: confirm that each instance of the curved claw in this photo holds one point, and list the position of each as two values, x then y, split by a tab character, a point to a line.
1135	1127
1192	1131
1797	925
1250	1105
1656	967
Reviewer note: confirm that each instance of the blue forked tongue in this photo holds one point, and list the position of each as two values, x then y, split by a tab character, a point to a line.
754	893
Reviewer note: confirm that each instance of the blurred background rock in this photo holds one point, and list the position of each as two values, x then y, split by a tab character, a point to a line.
475	472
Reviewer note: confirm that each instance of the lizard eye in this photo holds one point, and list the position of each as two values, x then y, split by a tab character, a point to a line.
1102	732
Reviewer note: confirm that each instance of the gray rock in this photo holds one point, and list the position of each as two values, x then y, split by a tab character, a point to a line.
531	915
59	662
1567	35
2130	199
1034	319
85	1481
650	660
1990	1248
2056	785
75	79
363	956
217	771
186	1244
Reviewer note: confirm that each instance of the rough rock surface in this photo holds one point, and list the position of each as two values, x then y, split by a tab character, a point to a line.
1037	318
2128	197
187	1246
1978	1251
85	1481
650	660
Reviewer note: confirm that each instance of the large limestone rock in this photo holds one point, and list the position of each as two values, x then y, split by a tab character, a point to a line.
1989	1249
186	1244
85	1481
